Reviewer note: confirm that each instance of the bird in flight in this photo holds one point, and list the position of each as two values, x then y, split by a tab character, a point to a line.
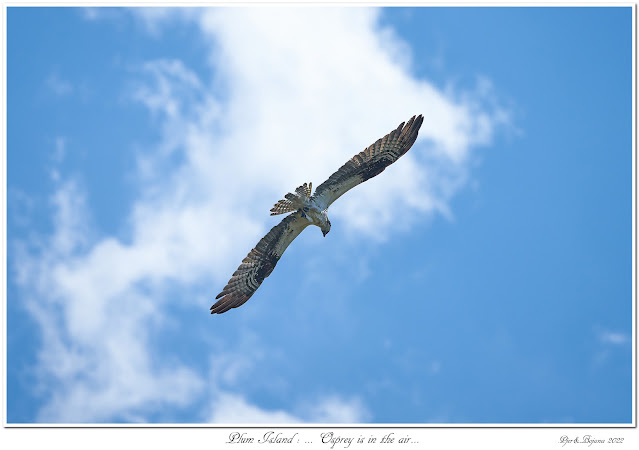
310	209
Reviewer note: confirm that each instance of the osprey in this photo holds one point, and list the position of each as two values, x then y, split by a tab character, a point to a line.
311	210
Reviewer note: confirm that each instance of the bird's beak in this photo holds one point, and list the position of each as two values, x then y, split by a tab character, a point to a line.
324	233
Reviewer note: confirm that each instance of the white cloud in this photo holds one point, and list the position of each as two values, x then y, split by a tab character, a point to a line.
612	337
234	366
91	13
274	64
233	408
294	94
95	324
610	342
334	409
349	96
102	13
59	86
70	219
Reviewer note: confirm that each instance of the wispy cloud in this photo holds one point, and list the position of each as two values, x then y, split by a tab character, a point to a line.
233	408
610	342
94	325
295	93
613	337
58	85
334	409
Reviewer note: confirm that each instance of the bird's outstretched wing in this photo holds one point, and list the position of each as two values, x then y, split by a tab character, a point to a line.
259	263
369	163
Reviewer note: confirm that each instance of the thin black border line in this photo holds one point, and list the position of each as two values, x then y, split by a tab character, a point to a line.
29	426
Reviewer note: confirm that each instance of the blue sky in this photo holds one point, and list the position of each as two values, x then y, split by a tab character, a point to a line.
484	278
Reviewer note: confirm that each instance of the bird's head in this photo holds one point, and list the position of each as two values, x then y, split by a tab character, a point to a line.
326	227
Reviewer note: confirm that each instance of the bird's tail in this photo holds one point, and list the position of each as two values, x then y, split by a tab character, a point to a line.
294	201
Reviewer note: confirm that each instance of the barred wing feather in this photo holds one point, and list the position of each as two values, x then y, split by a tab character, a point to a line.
369	163
259	263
